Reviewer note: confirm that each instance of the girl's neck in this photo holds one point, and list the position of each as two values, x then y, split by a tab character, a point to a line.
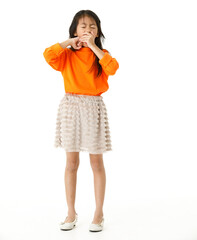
85	49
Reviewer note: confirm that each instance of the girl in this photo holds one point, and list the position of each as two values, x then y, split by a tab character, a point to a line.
82	121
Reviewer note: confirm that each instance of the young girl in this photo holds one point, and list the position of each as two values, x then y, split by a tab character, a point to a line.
82	121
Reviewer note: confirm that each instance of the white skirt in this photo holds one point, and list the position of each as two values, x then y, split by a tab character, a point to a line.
82	124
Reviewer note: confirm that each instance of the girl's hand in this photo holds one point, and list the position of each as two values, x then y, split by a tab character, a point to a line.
88	38
75	43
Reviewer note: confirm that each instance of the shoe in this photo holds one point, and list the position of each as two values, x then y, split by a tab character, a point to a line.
96	227
68	225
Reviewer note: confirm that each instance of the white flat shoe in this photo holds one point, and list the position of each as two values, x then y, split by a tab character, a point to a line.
68	225
96	227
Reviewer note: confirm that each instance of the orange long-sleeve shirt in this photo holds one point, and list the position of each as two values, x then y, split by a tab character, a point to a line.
74	68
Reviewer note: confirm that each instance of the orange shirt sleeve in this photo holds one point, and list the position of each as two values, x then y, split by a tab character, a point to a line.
56	56
109	64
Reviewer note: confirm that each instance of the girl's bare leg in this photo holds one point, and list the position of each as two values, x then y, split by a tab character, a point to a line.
70	178
97	166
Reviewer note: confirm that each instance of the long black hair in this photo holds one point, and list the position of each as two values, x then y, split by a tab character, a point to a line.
98	40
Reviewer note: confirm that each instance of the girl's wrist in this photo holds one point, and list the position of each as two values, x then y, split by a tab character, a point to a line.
65	43
93	45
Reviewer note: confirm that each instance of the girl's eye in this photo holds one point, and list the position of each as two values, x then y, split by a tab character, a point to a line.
91	27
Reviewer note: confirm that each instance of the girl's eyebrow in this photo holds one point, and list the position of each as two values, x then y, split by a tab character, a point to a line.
90	24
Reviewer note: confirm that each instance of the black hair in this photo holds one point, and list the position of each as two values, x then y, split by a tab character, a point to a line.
98	40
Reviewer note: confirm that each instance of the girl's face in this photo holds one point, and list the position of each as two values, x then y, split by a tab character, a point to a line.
86	24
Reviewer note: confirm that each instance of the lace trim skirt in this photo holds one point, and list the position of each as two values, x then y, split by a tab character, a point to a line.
82	124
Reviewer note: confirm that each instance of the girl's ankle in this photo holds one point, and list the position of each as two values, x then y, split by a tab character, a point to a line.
98	213
71	213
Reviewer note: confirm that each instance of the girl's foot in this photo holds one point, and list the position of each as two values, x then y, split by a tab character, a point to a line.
97	223
70	218
69	222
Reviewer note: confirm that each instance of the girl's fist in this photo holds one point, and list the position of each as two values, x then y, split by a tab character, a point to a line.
75	43
88	38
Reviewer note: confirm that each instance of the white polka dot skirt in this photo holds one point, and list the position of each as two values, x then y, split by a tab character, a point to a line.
82	124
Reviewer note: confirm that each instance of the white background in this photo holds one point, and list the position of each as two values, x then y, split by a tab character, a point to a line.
152	107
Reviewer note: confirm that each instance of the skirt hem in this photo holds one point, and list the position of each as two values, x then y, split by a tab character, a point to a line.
85	150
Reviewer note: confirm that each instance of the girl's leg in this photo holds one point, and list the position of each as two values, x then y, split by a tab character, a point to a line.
97	165
70	178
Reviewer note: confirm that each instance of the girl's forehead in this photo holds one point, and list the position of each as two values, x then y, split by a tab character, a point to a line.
86	19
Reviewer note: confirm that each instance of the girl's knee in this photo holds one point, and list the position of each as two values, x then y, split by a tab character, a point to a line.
72	162
96	161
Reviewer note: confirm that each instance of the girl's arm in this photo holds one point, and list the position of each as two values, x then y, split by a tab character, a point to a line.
109	64
56	55
99	53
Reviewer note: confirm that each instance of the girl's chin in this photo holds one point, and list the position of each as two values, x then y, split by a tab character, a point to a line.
85	44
